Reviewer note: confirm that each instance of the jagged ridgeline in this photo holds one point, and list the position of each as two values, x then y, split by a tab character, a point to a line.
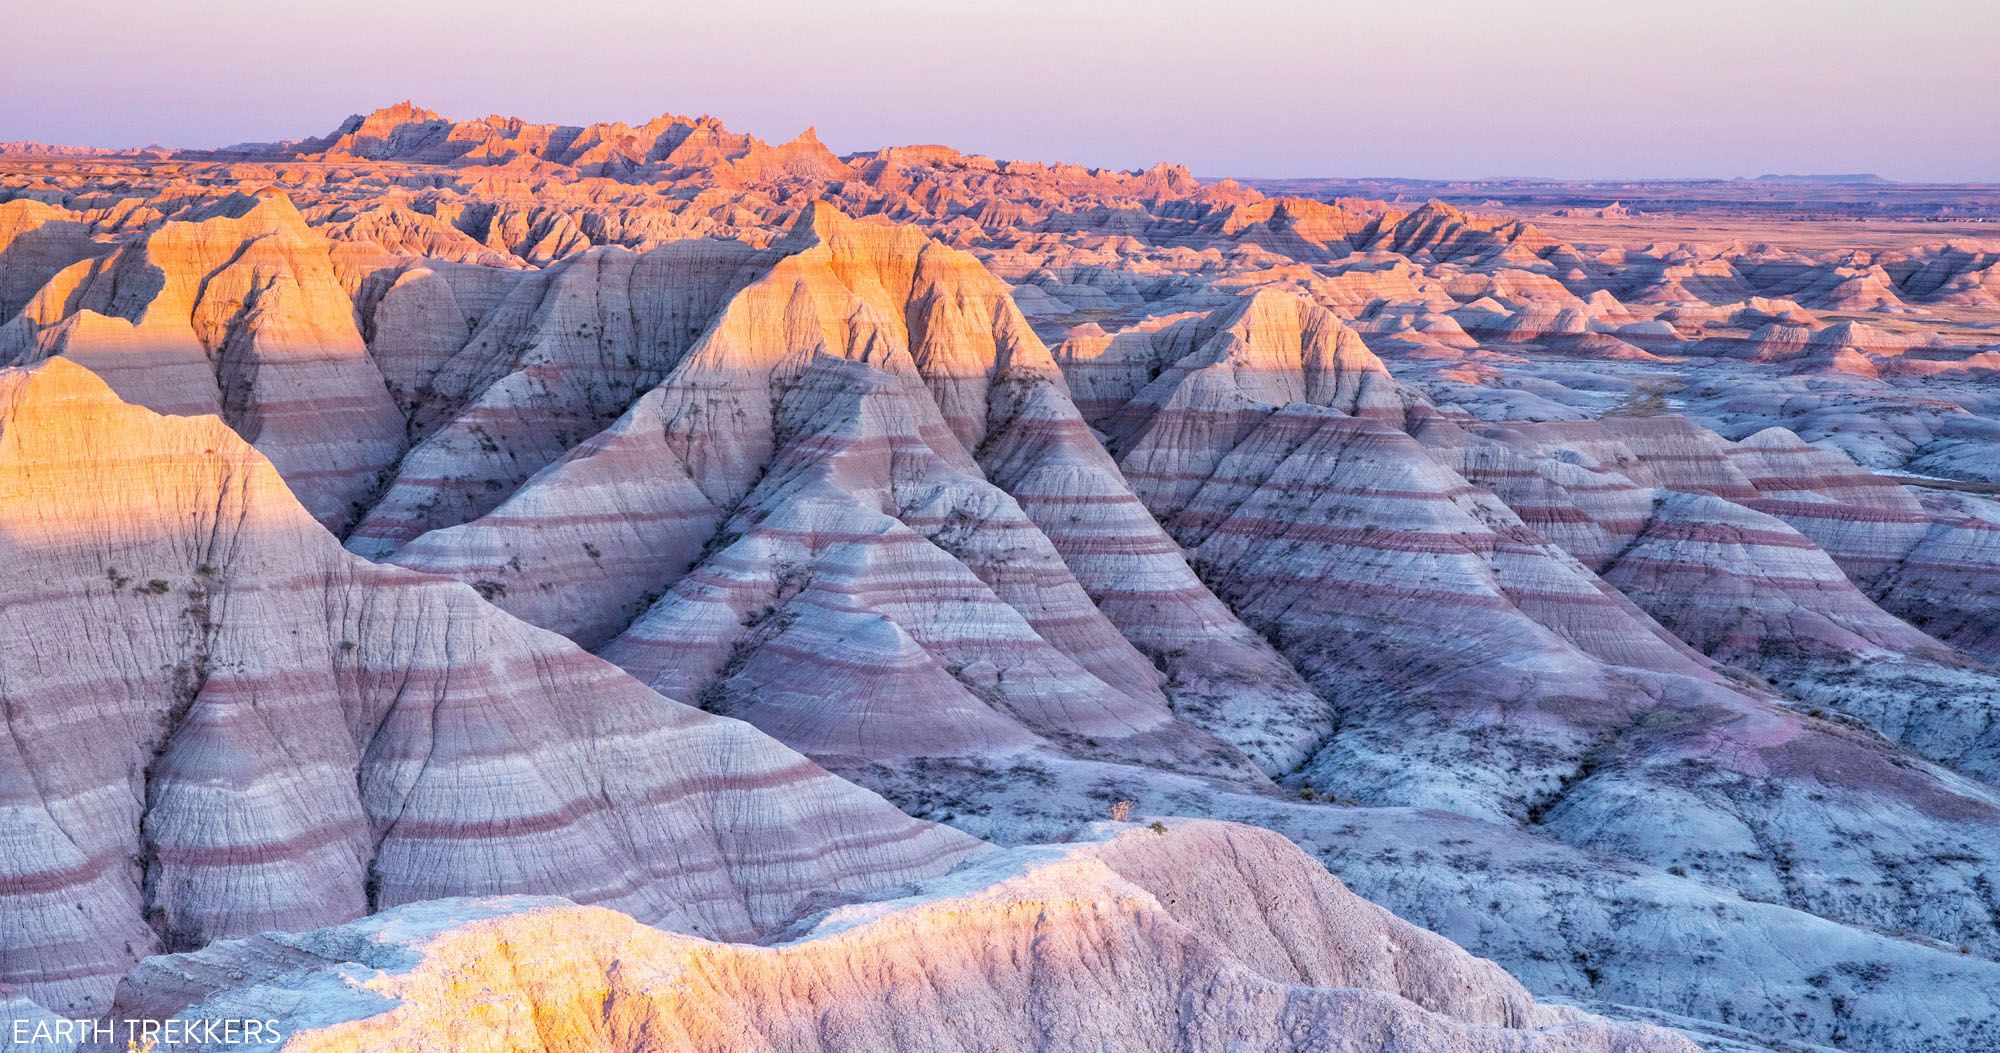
789	561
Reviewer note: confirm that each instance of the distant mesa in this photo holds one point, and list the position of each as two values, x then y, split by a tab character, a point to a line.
1614	210
1845	178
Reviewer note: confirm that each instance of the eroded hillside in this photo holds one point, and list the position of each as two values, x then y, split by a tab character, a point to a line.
731	528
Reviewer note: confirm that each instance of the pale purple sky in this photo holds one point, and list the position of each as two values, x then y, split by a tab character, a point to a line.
1250	87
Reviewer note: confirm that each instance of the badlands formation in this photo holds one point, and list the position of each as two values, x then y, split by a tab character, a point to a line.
644	588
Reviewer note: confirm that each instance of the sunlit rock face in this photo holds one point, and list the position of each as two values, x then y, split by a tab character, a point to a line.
239	315
712	532
223	723
1134	940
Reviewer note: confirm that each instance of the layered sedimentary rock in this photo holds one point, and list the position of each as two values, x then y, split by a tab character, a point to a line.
1134	940
1432	614
1617	604
561	356
879	359
1676	519
223	723
36	241
409	133
239	314
1221	676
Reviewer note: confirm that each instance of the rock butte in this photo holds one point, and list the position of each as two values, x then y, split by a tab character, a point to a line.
756	544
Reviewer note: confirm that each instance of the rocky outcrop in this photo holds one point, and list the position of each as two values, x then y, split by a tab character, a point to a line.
37	241
1745	587
1617	605
865	341
1107	944
557	359
222	723
239	314
1438	621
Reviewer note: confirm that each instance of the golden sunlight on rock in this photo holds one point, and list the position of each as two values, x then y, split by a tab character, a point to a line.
510	586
